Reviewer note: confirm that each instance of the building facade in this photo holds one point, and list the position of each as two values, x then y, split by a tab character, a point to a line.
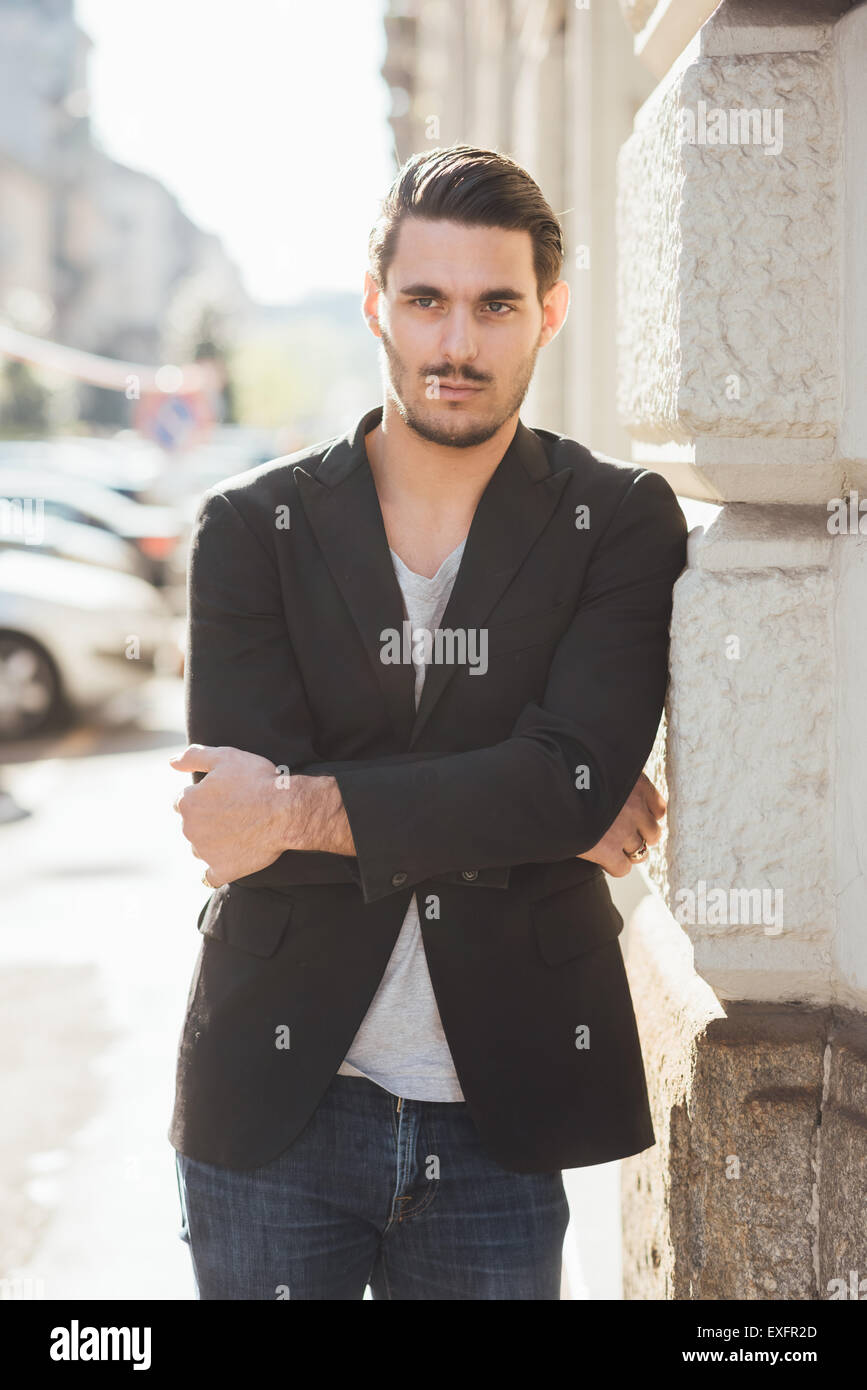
556	88
93	254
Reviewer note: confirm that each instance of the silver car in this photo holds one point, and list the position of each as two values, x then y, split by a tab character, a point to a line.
73	636
32	500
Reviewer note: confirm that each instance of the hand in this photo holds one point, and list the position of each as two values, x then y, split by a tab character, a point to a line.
235	817
639	817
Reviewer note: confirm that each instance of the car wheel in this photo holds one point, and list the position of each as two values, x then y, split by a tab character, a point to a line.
30	695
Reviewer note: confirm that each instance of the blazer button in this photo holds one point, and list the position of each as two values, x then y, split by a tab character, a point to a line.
469	874
397	879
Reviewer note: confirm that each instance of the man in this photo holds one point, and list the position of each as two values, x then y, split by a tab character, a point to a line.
410	1010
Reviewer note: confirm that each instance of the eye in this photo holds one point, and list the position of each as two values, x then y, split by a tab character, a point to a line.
425	299
499	303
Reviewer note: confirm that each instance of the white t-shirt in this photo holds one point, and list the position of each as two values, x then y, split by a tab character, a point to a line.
401	1044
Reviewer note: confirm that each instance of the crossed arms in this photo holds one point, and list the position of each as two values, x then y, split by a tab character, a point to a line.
391	822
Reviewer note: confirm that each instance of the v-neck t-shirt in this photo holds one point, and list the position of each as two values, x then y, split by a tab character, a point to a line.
401	1044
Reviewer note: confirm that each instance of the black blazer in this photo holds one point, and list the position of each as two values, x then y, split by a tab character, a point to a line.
477	802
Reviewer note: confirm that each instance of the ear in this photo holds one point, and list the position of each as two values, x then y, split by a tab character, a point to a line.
370	304
555	307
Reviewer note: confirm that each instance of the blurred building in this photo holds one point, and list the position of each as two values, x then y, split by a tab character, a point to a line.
93	254
556	87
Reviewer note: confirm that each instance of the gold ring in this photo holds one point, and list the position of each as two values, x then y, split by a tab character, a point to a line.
637	854
207	882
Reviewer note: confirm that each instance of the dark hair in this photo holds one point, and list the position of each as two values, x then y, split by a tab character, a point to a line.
478	188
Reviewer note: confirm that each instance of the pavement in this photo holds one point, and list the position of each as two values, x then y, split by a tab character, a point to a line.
97	946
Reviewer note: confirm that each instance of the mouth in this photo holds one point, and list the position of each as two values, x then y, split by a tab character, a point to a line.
459	392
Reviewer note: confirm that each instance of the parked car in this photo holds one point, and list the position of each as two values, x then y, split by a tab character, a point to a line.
231	449
72	637
31	499
74	540
125	463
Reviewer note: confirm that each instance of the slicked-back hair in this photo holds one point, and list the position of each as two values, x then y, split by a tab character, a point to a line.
476	188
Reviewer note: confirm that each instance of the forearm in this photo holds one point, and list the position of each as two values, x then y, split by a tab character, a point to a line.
315	819
322	827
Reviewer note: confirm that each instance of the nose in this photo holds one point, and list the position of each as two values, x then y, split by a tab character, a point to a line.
457	342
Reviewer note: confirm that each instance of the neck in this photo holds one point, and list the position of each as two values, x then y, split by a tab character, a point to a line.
417	473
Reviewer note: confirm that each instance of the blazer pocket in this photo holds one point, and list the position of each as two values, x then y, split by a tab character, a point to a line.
251	919
575	920
529	629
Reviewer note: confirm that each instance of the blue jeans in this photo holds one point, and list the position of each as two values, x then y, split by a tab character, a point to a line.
375	1190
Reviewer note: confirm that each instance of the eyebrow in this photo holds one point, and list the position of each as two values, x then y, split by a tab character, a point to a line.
421	291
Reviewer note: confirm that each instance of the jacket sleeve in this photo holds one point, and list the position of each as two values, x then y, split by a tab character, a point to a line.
554	786
242	685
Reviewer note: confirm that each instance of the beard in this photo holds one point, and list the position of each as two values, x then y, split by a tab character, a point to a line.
453	432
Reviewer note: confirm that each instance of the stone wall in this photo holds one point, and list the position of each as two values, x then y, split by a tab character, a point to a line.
742	290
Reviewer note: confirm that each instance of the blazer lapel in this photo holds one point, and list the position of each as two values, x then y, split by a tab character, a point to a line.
342	505
516	505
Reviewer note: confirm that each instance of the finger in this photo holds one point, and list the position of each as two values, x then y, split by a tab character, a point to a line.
642	823
198	757
654	801
649	827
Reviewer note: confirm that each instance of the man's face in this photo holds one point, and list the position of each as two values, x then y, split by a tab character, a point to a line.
461	325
